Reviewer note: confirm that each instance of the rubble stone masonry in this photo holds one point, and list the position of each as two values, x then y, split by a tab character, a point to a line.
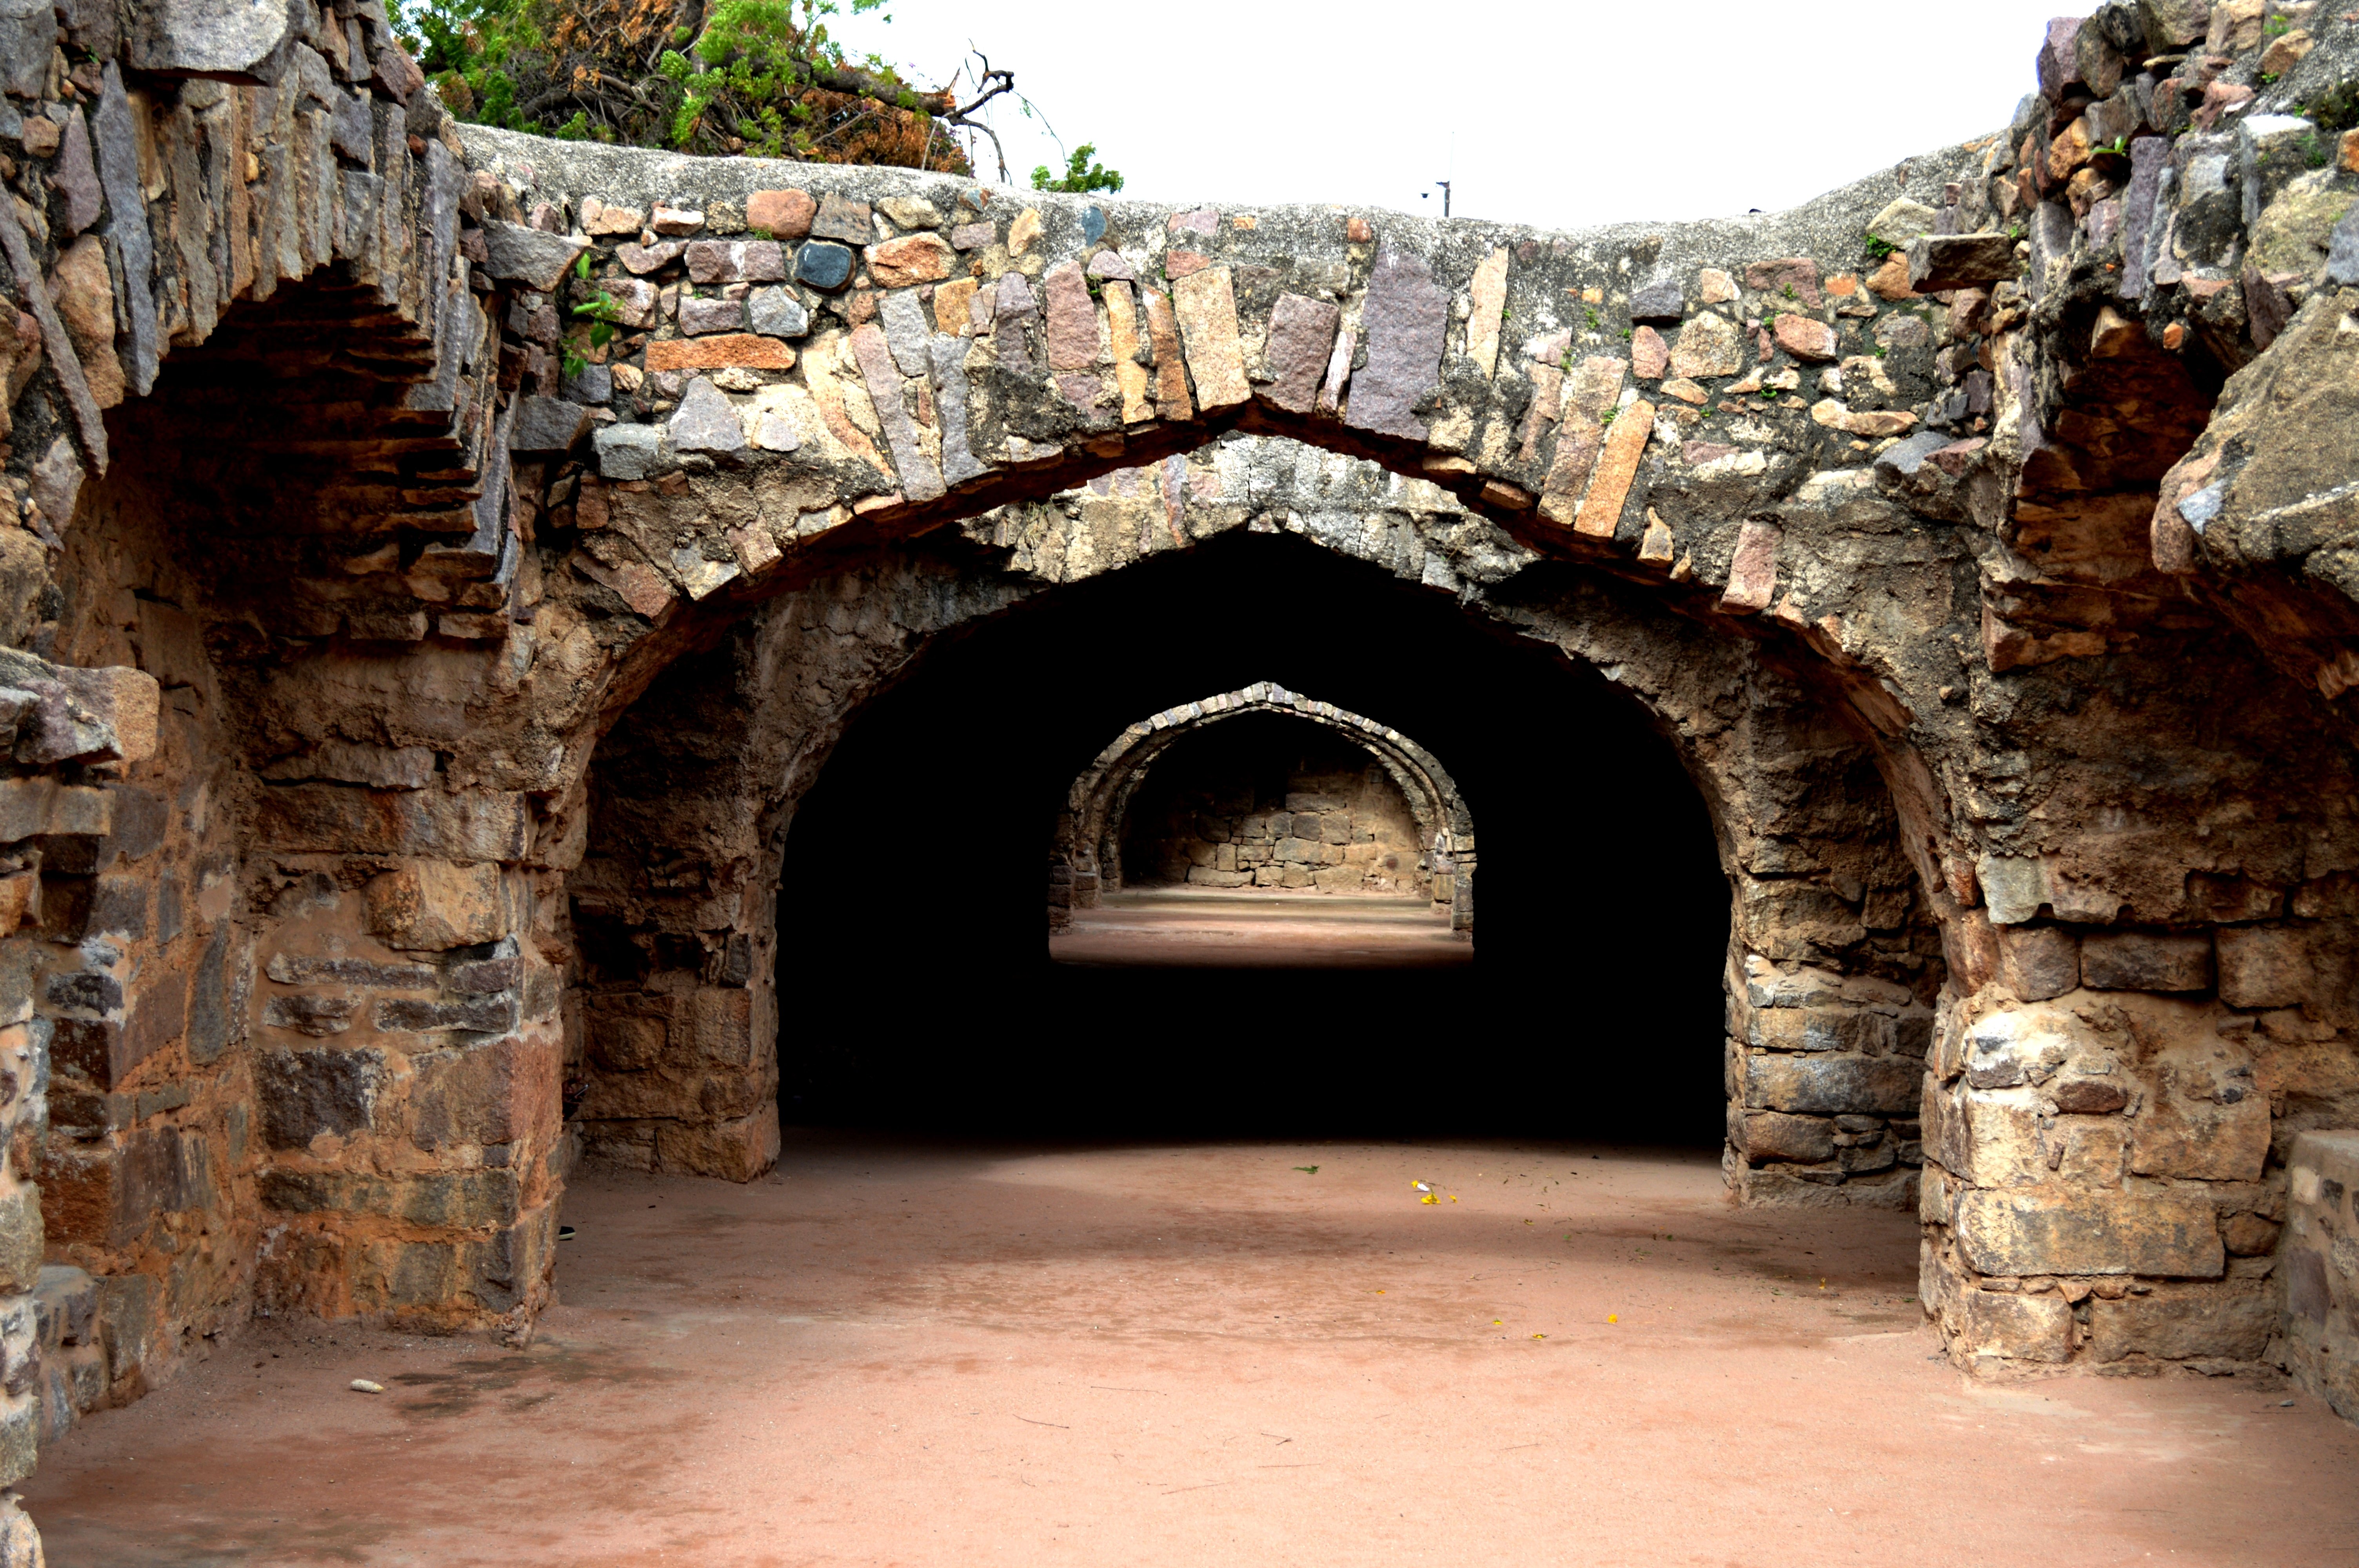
406	696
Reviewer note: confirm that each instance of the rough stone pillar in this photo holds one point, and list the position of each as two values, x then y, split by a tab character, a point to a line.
405	1061
2099	1133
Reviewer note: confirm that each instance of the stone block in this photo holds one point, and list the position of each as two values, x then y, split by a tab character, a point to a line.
533	258
2262	966
723	351
464	825
2205	1118
1773	1135
1832	1084
546	426
823	267
2017	1233
1406	317
1302	338
480	1014
433	905
129	1309
66	1300
629	452
2014	1327
469	1094
2146	961
20	1238
1822	1029
782	214
705	421
909	260
1942	261
304	1093
699	318
1708	346
734	1150
2038	962
1206	307
2230	1320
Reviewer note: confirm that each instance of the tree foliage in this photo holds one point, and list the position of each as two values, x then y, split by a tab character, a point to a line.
1081	175
760	76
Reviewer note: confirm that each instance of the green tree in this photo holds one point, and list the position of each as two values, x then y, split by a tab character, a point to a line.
1081	175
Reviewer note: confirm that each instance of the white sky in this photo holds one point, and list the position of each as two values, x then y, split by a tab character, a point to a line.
1556	116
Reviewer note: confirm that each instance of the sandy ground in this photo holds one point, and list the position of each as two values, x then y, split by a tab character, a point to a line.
1181	927
896	1353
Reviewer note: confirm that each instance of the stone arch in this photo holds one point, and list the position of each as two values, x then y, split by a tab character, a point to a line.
1832	931
1088	828
1944	562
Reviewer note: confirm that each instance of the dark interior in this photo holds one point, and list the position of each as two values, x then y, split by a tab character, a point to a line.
913	893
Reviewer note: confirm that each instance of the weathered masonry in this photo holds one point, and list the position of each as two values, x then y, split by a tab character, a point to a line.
409	699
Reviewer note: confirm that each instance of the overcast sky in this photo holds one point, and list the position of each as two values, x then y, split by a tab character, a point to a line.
1550	115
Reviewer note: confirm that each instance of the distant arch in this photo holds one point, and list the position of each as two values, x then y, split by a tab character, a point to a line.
1086	841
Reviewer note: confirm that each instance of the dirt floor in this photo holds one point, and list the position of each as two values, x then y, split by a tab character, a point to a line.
896	1353
1184	927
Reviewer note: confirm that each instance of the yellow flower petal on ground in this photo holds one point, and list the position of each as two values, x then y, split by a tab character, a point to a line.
1614	1317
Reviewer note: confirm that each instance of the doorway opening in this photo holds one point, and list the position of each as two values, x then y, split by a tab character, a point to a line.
911	876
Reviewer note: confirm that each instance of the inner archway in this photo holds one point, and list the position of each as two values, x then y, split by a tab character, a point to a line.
1036	691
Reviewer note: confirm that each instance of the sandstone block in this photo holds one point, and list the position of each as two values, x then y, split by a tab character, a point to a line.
841	218
2017	1233
304	1093
735	260
1753	570
1618	467
1794	278
1828	1086
2262	966
1806	339
1940	262
734	1151
729	350
1650	359
2146	961
1487	302
1822	1029
783	215
433	905
911	260
1709	345
2205	1118
2038	962
1773	1135
462	824
1206	307
2230	1321
2012	1326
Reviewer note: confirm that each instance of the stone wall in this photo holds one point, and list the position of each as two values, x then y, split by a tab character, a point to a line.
1317	814
1977	532
2319	1343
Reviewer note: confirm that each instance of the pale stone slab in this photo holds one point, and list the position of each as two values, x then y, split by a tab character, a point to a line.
1626	444
1488	305
1206	307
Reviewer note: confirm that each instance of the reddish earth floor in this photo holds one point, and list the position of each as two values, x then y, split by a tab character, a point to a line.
1183	927
895	1353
